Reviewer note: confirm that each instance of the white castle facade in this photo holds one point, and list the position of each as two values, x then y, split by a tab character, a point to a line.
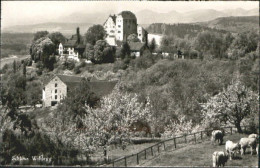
120	26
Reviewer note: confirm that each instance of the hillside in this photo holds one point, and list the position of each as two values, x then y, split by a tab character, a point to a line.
199	154
180	30
234	24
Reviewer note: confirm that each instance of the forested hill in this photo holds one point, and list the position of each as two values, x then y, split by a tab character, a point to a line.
180	30
237	24
234	24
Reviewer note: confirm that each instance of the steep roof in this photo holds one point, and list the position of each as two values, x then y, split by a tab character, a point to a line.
99	87
127	15
136	46
73	41
70	79
113	18
102	88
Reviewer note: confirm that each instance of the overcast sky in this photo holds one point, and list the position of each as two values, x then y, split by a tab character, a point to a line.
33	12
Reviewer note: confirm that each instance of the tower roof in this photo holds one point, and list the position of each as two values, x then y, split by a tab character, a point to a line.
127	15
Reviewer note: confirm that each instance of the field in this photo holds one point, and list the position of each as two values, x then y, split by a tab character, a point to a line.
11	59
199	154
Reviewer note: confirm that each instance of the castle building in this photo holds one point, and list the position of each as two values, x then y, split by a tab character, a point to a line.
120	26
142	34
60	86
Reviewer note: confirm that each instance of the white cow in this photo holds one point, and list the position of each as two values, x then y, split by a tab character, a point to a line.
232	148
257	148
219	158
217	135
253	136
247	142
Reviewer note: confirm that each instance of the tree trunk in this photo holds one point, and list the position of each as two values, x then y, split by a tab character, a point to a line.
239	130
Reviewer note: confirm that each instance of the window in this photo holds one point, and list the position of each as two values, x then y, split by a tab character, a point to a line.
55	90
55	97
56	84
119	31
139	34
119	25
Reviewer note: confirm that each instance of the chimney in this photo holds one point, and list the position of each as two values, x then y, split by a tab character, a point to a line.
78	35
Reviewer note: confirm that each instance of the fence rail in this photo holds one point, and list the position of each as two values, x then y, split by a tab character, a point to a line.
166	144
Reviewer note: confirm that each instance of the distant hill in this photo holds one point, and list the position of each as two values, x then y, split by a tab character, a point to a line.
234	24
65	28
180	30
68	23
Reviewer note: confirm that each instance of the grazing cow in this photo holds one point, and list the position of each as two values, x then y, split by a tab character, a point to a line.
217	135
219	158
247	142
232	148
257	148
253	136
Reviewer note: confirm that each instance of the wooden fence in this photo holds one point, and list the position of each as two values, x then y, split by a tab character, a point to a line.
172	143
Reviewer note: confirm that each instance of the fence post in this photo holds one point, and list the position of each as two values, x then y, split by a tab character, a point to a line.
185	138
201	135
152	150
174	139
145	154
164	145
137	159
125	162
231	130
195	137
158	148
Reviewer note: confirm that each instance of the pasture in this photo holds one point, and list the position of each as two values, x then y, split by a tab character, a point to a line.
199	154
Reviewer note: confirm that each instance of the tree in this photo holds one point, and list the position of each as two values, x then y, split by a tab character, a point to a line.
40	34
133	38
41	50
24	69
57	38
100	53
152	45
14	66
77	99
33	93
95	33
232	105
125	51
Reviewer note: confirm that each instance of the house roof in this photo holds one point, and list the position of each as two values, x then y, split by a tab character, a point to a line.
70	79
127	15
102	88
99	87
136	46
73	42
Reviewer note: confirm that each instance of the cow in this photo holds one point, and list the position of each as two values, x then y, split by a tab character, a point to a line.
257	148
247	142
219	158
232	148
217	135
253	136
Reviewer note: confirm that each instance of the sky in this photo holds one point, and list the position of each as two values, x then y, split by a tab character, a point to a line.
33	12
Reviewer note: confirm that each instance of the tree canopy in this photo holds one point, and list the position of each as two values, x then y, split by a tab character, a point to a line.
94	34
231	105
133	38
101	52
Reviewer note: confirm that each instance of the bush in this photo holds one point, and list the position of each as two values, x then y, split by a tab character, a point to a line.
77	70
119	65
